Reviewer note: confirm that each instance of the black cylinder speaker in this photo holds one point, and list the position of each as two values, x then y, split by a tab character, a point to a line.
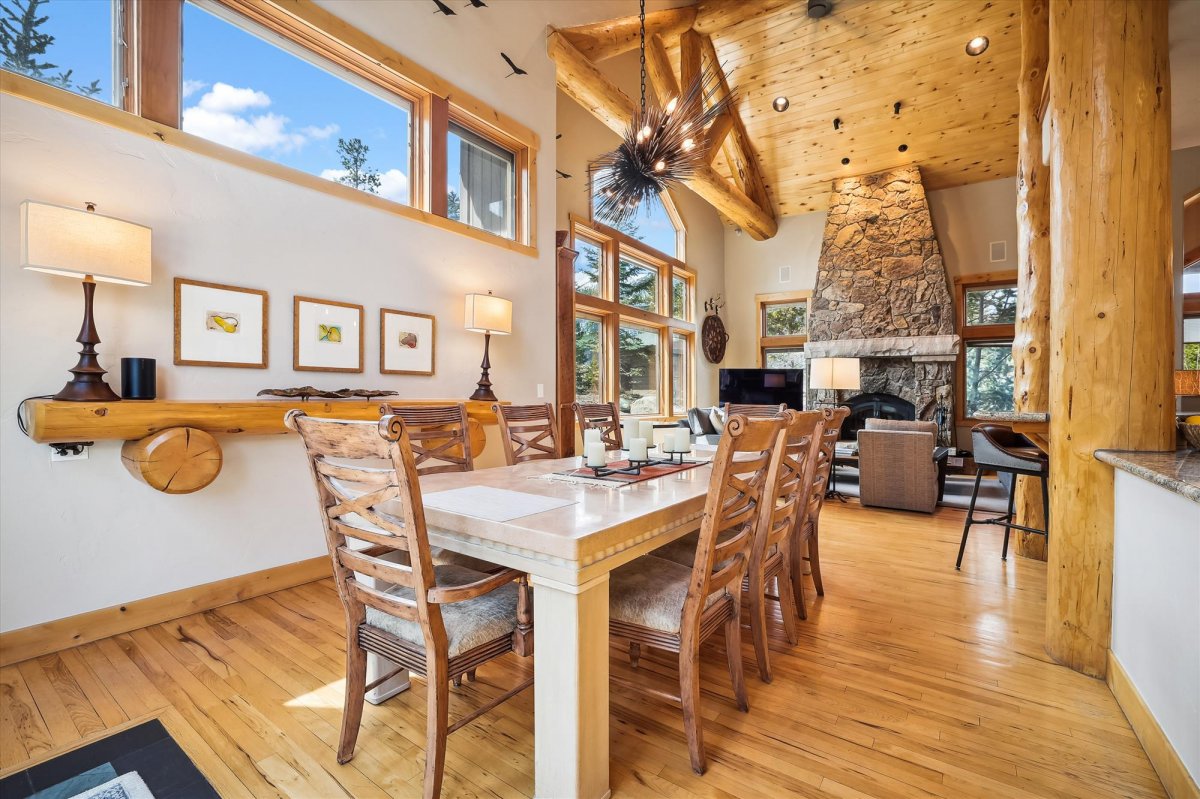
138	379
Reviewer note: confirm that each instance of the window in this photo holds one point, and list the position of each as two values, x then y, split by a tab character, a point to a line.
251	90
480	182
656	224
1191	342
589	360
782	329
637	285
630	325
987	311
639	367
65	43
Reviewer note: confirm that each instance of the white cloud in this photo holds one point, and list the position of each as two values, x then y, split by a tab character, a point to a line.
393	184
220	116
190	87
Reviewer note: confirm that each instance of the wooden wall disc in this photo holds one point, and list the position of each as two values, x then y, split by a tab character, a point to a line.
178	460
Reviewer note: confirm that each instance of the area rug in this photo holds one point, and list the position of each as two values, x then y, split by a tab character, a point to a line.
142	762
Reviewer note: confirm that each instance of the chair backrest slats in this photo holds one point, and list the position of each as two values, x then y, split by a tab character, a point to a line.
398	573
737	489
602	416
834	417
793	482
754	411
528	431
388	603
439	435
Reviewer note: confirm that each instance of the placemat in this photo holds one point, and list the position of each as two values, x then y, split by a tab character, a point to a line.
493	504
648	473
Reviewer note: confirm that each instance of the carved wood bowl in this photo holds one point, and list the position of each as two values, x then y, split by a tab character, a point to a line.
1191	434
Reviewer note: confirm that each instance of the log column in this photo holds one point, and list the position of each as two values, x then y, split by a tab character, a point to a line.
1111	331
1031	343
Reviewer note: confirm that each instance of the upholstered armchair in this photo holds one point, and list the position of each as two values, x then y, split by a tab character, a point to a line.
896	465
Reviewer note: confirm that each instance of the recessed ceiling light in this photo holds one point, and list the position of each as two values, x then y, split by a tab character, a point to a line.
903	148
845	162
781	103
977	46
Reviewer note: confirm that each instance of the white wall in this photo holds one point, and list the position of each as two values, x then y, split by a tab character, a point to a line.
583	139
84	535
1156	607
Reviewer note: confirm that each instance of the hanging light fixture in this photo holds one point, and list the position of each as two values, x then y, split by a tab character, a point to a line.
659	148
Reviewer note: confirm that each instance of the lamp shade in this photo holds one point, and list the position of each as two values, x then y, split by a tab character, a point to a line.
834	373
1187	382
488	314
75	243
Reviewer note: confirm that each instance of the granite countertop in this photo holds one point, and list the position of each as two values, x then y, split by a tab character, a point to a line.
1177	471
1011	416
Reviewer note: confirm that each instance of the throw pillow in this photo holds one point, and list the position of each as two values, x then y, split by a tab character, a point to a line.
717	417
699	423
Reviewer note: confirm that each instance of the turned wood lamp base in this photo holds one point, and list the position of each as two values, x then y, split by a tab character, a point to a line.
88	384
484	392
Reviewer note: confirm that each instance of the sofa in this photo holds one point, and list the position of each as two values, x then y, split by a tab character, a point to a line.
897	465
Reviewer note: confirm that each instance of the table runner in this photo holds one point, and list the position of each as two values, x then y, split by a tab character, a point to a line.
584	474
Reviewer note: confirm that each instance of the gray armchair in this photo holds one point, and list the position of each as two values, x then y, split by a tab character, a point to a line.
896	465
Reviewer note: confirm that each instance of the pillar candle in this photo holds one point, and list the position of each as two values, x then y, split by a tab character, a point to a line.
668	442
637	450
595	454
646	431
683	440
631	431
591	436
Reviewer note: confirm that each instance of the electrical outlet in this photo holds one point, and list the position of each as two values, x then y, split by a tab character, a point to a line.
541	390
64	455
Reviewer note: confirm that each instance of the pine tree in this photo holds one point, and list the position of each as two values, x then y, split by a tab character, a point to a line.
354	161
23	45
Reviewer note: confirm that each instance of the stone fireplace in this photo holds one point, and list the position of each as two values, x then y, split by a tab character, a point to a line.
883	296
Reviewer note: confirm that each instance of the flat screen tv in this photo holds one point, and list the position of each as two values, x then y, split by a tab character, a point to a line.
763	387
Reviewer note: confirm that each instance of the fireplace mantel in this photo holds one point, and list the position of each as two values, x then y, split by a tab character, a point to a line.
919	348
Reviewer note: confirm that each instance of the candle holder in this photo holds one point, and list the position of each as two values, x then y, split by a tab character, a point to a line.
634	468
672	458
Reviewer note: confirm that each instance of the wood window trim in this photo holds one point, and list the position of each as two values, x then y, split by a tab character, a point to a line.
975	333
612	243
765	342
152	104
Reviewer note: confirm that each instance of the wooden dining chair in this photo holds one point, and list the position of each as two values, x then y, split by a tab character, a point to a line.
528	432
602	416
436	621
662	604
754	411
440	436
806	544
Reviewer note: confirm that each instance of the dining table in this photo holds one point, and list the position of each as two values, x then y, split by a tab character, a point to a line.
569	551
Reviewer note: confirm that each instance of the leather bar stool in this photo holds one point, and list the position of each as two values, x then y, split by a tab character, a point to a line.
998	448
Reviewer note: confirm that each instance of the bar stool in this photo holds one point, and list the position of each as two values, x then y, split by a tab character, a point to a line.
999	449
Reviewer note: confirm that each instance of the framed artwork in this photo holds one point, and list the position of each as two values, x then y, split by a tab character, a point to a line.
219	325
327	336
406	342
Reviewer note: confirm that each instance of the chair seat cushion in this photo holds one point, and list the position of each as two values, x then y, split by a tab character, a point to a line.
681	550
469	623
650	592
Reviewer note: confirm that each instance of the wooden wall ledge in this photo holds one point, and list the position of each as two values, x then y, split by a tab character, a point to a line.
62	422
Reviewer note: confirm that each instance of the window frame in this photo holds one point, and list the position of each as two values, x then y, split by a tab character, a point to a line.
669	206
976	334
613	243
762	302
152	66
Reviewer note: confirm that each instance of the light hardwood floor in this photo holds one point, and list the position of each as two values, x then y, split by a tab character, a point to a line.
910	679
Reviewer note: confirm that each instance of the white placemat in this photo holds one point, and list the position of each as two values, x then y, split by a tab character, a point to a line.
493	504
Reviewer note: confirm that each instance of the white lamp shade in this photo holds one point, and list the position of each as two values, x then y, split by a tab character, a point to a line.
488	314
75	243
834	373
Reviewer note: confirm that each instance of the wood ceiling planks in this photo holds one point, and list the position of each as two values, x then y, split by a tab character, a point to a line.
958	114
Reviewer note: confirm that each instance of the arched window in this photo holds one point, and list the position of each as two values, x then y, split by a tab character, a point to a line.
657	223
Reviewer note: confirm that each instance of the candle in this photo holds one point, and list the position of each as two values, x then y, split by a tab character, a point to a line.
646	431
637	449
683	440
595	453
668	443
591	436
631	431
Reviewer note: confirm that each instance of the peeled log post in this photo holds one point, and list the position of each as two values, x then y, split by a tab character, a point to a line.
1111	330
178	460
1031	343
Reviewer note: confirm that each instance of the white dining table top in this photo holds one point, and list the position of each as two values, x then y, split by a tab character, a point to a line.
601	521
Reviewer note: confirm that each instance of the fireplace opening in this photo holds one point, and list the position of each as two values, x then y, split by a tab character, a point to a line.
874	406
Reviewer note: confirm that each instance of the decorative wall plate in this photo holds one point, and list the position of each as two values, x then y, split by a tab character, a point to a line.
713	337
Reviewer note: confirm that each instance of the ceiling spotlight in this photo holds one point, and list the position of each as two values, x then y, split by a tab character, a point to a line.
977	46
781	104
903	148
845	162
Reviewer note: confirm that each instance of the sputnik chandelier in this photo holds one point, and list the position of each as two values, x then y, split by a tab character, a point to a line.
662	145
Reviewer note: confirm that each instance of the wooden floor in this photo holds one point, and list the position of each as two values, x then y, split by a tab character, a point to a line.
910	679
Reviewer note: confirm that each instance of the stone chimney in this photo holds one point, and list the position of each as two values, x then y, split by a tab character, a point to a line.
882	292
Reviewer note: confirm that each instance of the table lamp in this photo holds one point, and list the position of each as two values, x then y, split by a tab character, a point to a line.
85	245
834	373
487	315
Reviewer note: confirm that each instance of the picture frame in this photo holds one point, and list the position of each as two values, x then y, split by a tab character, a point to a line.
220	325
327	335
407	342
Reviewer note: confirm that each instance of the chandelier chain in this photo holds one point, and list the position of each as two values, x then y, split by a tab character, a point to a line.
642	39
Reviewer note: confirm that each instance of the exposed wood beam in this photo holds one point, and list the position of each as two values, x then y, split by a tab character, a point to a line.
1031	342
585	84
689	65
714	16
600	40
662	74
743	159
717	133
